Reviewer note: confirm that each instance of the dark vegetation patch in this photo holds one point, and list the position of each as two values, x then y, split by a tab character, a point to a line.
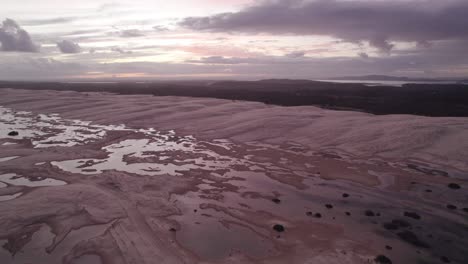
451	207
382	259
396	224
13	133
412	239
445	259
390	226
417	99
278	228
276	200
401	223
412	215
369	213
454	186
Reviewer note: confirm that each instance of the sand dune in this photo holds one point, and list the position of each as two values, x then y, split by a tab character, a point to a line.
197	180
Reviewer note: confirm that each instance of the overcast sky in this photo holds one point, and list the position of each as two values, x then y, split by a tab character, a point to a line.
232	39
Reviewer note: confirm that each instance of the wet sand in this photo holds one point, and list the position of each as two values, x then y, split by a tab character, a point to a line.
105	178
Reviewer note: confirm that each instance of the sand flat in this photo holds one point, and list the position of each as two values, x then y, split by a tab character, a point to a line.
198	180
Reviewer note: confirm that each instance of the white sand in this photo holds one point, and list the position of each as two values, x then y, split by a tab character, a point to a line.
212	181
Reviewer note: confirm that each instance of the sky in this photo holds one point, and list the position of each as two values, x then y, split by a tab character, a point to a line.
231	39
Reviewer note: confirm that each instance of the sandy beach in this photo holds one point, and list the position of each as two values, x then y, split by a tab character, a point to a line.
105	178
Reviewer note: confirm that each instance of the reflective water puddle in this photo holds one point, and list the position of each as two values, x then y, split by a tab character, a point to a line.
155	156
42	236
8	143
17	180
49	130
9	197
8	158
158	153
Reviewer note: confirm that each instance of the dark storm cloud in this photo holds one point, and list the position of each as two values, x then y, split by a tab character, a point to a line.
67	46
378	22
14	38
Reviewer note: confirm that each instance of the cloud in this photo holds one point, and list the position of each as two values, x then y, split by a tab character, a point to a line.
131	33
48	21
377	22
441	60
121	51
296	54
14	38
109	6
222	60
82	32
26	68
67	46
363	55
159	28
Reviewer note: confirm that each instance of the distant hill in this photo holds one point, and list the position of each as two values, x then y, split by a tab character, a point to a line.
391	78
435	99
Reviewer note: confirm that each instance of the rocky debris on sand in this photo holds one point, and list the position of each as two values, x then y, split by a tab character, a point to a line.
318	215
382	259
345	195
172	229
412	215
329	206
348	213
411	238
388	247
13	133
278	228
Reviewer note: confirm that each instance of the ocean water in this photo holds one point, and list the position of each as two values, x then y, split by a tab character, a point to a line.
388	83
